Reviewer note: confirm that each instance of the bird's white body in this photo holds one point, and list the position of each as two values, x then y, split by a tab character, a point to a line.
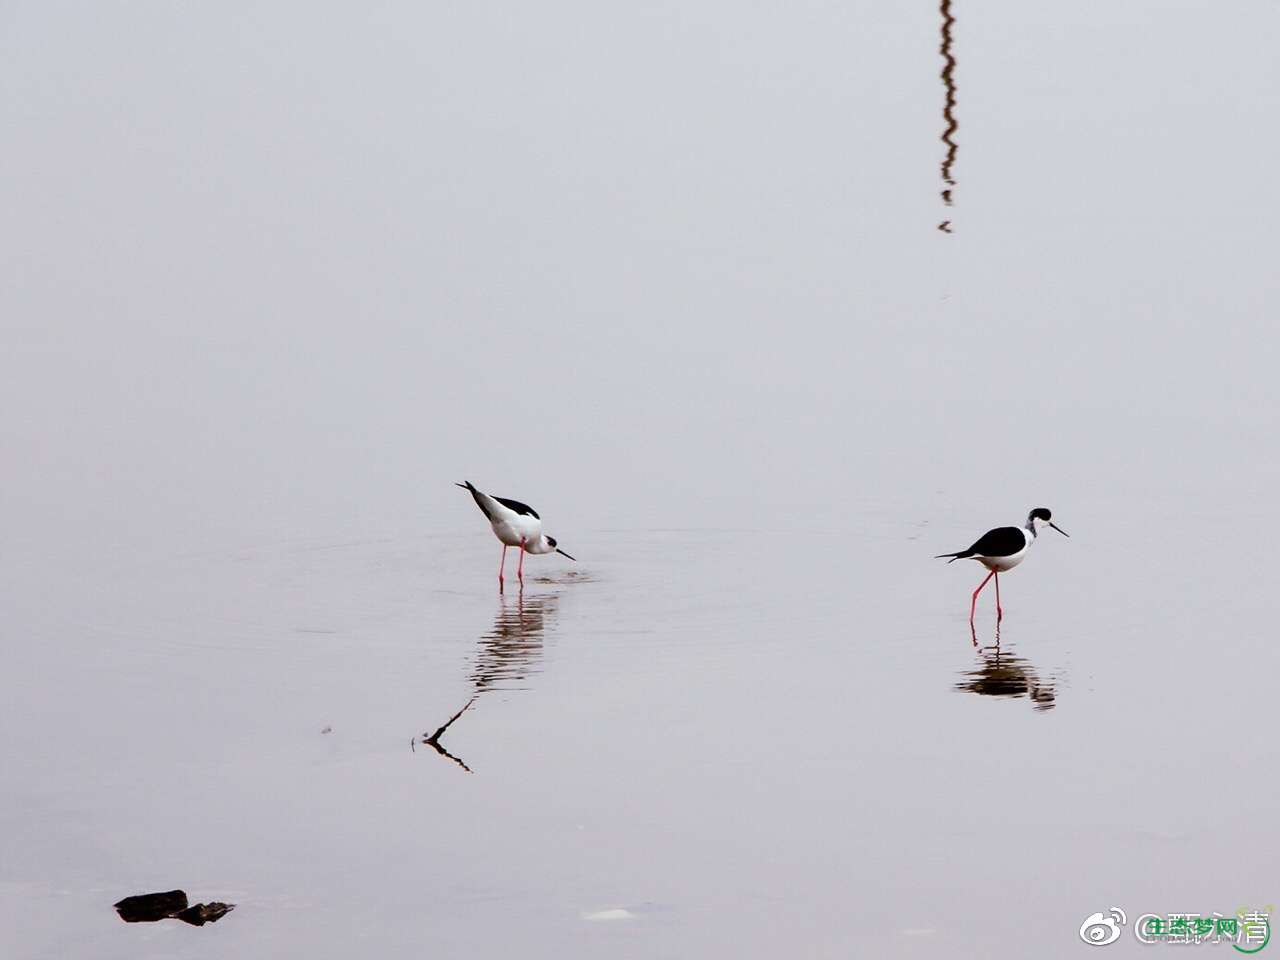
515	529
1001	564
518	531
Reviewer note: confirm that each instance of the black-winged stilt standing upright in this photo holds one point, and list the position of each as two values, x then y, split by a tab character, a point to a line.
1003	549
516	524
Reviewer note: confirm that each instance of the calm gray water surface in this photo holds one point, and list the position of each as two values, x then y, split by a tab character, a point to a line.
276	278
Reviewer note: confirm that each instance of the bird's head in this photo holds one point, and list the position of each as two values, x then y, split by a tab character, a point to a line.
551	542
1040	517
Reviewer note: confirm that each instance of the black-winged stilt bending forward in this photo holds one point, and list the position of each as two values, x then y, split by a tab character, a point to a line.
516	524
1003	549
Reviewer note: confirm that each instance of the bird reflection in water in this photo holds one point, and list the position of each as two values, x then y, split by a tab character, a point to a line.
511	651
1000	673
508	655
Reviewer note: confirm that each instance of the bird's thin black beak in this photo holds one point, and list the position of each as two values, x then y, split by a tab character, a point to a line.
1060	530
575	559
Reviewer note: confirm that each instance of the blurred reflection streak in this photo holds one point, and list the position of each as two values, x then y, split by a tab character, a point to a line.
948	108
1002	674
509	652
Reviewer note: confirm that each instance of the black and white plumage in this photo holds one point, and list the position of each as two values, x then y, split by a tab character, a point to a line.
1003	549
515	524
1000	549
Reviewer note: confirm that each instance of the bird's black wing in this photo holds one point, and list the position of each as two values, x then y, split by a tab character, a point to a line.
1000	542
478	497
518	507
521	508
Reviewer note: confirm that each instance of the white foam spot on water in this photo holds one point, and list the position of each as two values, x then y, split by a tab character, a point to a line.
617	913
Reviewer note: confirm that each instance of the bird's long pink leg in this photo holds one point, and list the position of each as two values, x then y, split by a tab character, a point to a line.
974	605
999	611
502	566
520	567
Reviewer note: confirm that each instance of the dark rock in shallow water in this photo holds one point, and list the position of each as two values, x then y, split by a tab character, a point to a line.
203	913
149	907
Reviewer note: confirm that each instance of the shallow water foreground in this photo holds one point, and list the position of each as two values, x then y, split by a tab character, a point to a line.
648	768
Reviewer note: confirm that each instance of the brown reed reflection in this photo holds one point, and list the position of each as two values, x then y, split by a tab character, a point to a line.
433	740
950	125
1000	673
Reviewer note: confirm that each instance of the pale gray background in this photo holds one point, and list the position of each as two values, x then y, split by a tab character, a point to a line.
274	276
